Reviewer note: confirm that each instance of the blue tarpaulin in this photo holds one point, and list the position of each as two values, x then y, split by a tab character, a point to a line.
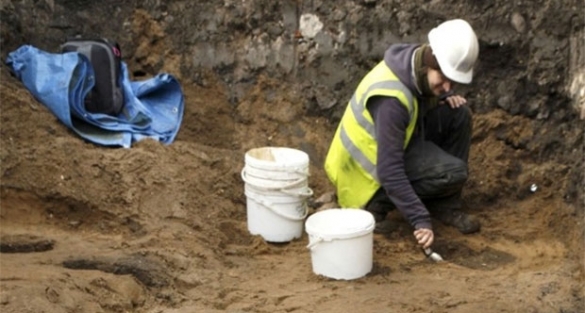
153	108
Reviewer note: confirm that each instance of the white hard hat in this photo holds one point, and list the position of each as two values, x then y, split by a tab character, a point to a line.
456	49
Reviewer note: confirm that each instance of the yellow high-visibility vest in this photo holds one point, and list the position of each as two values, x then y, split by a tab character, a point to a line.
352	157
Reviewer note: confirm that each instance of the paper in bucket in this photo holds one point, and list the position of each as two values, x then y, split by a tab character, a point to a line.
341	243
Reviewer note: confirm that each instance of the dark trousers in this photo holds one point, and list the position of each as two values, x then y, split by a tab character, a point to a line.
435	160
450	129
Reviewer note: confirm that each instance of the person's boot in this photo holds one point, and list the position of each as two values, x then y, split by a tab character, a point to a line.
379	219
465	223
384	226
380	206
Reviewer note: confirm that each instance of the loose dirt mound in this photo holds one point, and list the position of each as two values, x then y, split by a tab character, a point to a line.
163	228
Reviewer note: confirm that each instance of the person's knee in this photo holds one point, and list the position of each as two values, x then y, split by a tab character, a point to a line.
463	117
465	113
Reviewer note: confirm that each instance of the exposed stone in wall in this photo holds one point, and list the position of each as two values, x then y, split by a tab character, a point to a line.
324	48
577	71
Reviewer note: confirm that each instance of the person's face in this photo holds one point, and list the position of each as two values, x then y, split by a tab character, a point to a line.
438	83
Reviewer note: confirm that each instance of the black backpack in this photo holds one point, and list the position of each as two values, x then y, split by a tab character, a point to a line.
107	95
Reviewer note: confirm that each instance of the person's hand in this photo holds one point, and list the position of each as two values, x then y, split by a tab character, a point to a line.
455	101
425	237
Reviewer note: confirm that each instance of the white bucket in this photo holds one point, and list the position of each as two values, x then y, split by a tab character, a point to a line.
277	191
341	243
276	166
277	217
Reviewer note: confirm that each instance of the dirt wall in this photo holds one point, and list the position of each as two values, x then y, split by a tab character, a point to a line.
531	61
536	45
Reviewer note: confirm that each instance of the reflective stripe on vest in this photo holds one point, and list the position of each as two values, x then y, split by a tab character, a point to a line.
352	158
357	108
357	154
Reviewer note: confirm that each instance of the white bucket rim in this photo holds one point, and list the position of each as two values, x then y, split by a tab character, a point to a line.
273	185
286	195
277	174
276	158
326	225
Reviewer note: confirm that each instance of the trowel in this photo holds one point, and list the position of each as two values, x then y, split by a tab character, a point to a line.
432	255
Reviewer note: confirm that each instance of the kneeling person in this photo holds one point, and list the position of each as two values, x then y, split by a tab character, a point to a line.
403	141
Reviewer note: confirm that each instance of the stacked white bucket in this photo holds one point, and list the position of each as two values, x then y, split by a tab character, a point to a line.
277	189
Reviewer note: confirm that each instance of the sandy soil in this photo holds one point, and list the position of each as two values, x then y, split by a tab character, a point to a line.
162	228
155	227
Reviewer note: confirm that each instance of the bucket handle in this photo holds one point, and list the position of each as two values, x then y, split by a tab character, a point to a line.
291	185
315	242
300	175
295	170
268	205
302	194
